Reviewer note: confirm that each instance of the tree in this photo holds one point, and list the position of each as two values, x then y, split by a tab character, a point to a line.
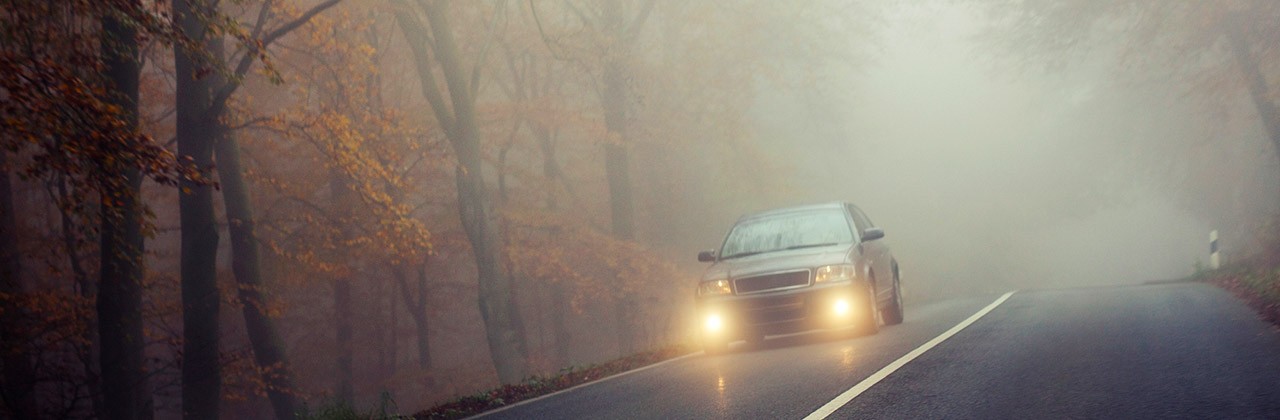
123	369
1165	38
78	129
18	372
197	131
437	49
615	29
246	264
202	93
1211	55
268	347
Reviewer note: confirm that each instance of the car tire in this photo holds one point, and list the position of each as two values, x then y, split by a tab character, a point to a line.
893	313
871	321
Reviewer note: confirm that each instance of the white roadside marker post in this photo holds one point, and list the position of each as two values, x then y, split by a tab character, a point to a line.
1214	259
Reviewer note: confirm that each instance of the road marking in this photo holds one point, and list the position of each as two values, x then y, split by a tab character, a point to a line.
844	398
584	384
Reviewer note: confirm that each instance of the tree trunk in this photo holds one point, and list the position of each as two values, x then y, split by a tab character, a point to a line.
616	162
345	392
416	304
119	304
550	168
421	324
19	377
497	309
559	301
555	290
197	131
616	166
497	305
1259	91
88	289
268	347
340	191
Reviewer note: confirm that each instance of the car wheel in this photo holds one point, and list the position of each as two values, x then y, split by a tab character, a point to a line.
871	322
893	314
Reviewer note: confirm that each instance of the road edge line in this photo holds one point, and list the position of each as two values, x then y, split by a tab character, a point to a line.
844	398
581	385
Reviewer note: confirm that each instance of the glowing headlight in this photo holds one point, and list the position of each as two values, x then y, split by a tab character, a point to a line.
834	273
841	307
714	287
714	323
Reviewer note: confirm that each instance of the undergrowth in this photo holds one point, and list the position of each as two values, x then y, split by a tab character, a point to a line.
1255	281
542	385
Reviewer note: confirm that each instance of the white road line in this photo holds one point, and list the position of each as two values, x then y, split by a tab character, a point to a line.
581	385
844	398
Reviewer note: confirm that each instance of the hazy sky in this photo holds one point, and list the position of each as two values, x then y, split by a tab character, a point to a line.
986	178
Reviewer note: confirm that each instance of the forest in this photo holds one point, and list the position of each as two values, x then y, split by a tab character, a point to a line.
261	208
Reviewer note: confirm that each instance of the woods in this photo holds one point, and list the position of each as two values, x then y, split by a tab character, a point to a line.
257	208
263	206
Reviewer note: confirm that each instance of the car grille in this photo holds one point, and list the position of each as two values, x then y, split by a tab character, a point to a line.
774	309
769	282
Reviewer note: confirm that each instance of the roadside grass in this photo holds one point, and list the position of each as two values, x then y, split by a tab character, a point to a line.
537	386
337	410
1256	281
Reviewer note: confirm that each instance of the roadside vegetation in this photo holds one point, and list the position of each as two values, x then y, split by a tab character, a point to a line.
1256	281
538	386
498	397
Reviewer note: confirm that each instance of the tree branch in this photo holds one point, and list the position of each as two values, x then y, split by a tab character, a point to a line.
255	49
484	51
634	28
416	35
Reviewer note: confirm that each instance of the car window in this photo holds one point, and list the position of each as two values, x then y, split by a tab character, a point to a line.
787	231
861	218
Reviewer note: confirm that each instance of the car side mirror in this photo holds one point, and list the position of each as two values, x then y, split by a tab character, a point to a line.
707	256
872	234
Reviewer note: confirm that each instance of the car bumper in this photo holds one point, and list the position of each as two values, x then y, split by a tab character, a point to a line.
815	307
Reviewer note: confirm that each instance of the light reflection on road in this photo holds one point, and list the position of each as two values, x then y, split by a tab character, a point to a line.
846	358
722	401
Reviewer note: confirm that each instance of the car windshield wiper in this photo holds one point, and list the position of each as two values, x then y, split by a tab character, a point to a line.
748	254
743	254
813	245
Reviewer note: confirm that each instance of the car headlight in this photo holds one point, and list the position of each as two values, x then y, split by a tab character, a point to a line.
714	287
835	273
714	323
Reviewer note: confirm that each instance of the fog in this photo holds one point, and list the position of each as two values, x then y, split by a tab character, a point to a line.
989	176
269	205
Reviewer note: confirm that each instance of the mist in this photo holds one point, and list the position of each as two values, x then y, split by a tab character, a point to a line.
991	176
262	207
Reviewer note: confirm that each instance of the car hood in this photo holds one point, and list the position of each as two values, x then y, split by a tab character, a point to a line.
778	261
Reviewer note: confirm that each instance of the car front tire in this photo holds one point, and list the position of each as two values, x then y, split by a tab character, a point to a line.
893	313
871	319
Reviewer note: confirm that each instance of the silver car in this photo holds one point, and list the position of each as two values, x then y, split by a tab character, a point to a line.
797	269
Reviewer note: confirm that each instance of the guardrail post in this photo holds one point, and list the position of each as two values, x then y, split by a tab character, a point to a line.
1214	258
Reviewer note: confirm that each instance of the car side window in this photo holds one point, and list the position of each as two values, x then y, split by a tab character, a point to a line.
859	219
870	224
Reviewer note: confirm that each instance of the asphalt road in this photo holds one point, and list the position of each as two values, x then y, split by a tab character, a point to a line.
1156	351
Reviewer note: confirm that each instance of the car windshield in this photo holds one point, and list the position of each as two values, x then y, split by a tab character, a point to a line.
787	231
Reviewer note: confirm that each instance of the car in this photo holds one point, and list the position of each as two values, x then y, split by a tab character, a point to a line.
798	269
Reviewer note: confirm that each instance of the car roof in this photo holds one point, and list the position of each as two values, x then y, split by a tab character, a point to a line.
835	205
